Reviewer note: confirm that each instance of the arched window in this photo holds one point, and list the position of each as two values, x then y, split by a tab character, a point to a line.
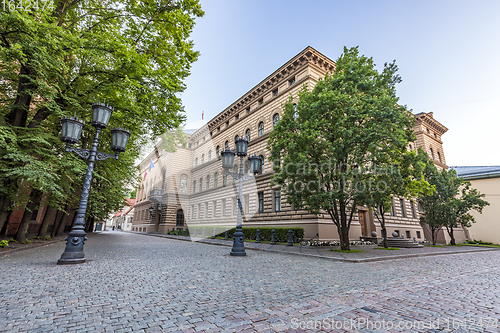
276	118
194	186
439	157
196	162
202	158
216	179
217	151
247	135
201	184
236	138
209	155
208	182
226	145
410	147
261	128
262	165
432	153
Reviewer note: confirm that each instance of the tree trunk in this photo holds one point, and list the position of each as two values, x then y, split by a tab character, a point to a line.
452	236
4	215
19	111
433	235
62	224
89	225
57	221
384	232
50	215
35	197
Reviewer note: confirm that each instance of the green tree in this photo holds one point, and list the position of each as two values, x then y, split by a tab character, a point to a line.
401	175
331	143
452	202
58	61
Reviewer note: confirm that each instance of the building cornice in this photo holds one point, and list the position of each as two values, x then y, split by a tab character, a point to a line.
429	121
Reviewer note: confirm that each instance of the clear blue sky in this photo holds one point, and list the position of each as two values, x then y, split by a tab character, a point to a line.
448	53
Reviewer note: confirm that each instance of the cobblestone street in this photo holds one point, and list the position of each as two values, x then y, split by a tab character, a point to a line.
134	282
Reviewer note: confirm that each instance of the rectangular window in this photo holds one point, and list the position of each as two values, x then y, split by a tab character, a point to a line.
235	206
261	101
420	207
224	179
214	209
199	211
218	129
223	207
402	204
261	202
408	234
248	109
392	208
247	203
277	201
418	235
216	179
206	209
237	117
412	204
275	92
291	81
227	123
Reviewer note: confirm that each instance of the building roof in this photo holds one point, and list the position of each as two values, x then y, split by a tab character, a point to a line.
119	213
477	172
189	131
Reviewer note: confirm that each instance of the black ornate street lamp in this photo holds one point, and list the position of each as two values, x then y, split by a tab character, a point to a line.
151	212
227	163
71	131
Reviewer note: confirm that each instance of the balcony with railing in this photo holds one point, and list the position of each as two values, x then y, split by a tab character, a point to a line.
156	195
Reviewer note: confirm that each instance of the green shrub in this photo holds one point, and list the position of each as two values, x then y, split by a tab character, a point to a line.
37	237
265	233
12	240
4	243
47	237
26	241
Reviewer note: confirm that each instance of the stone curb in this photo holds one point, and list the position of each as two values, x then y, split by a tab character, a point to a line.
363	260
4	253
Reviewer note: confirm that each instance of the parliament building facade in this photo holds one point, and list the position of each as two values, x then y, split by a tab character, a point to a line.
188	188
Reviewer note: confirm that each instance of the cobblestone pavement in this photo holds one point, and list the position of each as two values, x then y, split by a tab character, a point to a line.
133	282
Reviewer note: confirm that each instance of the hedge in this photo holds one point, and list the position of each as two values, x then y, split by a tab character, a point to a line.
250	233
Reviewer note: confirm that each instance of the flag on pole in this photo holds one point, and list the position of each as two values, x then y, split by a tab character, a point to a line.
151	165
145	174
202	114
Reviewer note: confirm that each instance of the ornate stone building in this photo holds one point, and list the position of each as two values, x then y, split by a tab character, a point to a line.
191	187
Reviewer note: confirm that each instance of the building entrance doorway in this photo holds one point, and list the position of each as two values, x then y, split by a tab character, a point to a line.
179	221
362	222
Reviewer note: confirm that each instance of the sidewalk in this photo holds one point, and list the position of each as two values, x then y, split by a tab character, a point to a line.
369	254
16	246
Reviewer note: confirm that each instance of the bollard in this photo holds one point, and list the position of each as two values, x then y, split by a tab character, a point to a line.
194	233
290	237
273	237
226	236
203	233
214	233
187	232
257	236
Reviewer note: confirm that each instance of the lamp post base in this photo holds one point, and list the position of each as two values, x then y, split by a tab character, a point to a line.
73	254
238	243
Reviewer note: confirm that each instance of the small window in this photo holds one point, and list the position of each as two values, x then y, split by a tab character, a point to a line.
202	158
410	147
216	179
214	209
418	235
439	157
276	118
261	165
277	201
428	132
402	205
261	202
217	151
420	207
413	215
247	135
224	179
227	123
435	135
223	207
196	162
206	209
248	109
235	206
408	234
261	101
295	112
201	184
209	155
189	145
432	153
226	145
208	182
199	211
275	92
291	81
218	129
194	186
236	138
237	117
392	209
261	128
